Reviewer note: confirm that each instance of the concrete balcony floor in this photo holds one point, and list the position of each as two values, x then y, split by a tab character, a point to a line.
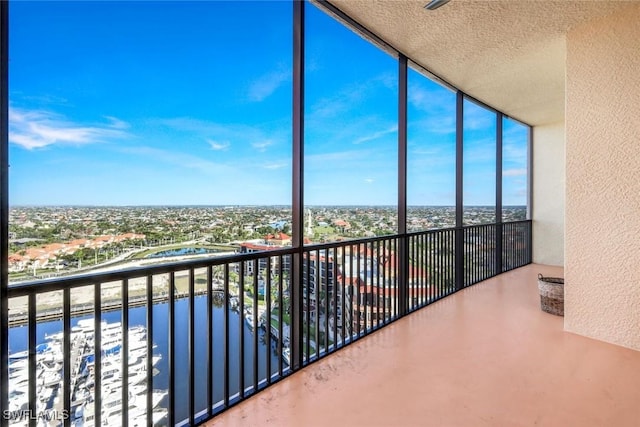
486	356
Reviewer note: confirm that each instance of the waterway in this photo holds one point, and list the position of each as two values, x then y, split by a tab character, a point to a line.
182	252
137	316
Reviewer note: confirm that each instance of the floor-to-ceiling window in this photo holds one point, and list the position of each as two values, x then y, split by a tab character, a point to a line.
142	133
155	110
479	165
431	154
351	128
514	170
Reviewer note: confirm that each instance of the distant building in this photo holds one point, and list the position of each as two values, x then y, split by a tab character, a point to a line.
248	248
40	257
341	225
278	239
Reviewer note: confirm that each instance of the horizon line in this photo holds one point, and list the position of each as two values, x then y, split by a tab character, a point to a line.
243	206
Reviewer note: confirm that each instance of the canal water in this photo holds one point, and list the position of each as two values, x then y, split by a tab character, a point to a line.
182	251
18	341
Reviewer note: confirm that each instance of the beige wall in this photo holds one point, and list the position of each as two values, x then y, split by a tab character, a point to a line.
548	194
602	257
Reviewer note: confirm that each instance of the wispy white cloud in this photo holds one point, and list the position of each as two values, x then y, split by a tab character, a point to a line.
376	135
116	123
349	97
369	180
236	135
275	165
47	99
436	123
33	129
514	145
433	151
476	117
326	108
432	99
429	162
480	150
337	156
363	131
389	80
261	145
514	172
267	84
434	110
218	146
180	159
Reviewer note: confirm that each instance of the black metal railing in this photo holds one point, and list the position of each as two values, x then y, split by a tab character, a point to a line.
479	253
516	244
175	344
431	272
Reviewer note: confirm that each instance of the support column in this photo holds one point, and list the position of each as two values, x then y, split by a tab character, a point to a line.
498	232
459	247
403	244
296	282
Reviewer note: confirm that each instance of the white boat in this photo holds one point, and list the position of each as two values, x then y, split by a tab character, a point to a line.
20	382
138	417
138	377
286	355
19	355
49	365
57	336
159	415
50	378
248	315
44	394
157	397
18	399
18	370
18	376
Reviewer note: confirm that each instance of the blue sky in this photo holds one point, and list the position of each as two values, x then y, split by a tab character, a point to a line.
127	103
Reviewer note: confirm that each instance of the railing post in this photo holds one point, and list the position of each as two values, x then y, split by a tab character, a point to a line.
499	234
529	228
403	275
459	258
459	242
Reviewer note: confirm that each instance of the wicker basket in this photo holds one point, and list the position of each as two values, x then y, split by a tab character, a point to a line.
551	294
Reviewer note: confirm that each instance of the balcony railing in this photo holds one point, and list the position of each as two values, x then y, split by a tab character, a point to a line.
179	343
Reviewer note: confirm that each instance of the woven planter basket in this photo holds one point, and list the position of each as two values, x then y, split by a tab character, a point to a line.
551	294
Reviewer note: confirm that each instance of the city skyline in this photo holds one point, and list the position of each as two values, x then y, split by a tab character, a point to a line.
128	115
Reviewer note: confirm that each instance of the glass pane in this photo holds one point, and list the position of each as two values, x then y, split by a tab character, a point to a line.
479	164
431	158
351	112
145	105
514	170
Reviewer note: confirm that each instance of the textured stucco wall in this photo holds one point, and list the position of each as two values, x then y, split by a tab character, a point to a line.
548	194
602	256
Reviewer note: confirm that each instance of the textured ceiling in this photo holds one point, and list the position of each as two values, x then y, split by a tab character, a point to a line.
508	54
